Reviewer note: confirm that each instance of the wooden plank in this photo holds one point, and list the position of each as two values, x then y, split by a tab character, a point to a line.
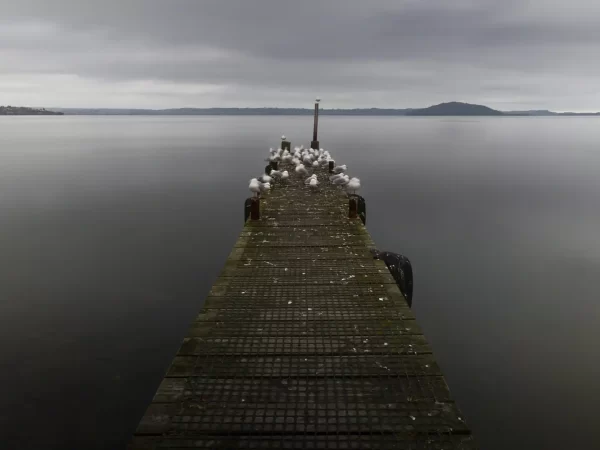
297	314
343	345
383	441
201	417
281	392
290	366
304	341
378	290
299	253
320	264
304	328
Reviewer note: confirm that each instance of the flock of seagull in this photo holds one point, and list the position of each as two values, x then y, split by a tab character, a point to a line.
304	159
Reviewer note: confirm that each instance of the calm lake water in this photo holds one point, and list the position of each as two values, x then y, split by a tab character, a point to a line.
112	230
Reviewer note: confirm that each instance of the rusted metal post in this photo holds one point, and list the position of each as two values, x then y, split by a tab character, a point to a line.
247	207
331	166
353	208
255	209
315	139
285	144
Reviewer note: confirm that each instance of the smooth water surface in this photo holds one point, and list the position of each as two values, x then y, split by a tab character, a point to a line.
112	230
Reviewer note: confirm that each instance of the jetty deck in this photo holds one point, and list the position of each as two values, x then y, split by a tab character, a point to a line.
304	342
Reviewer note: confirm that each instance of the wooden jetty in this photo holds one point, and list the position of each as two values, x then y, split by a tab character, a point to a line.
305	341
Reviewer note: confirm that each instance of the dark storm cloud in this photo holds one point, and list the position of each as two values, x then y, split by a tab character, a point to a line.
356	53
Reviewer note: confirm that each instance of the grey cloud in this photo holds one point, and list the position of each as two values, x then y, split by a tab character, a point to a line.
376	53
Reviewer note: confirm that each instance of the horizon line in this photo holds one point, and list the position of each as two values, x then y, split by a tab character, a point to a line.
309	109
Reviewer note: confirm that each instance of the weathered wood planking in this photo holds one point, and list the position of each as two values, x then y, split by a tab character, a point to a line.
304	342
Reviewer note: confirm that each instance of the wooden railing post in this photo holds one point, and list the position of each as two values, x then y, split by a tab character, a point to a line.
353	208
255	209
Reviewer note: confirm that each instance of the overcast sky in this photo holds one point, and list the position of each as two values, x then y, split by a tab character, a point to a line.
507	54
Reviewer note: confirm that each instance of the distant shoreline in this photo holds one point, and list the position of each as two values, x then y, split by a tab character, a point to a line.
25	111
306	115
454	109
451	109
464	116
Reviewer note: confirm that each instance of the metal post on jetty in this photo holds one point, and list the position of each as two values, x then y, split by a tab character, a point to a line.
306	339
315	140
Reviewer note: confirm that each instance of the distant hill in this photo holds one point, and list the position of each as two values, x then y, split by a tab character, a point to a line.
24	111
455	109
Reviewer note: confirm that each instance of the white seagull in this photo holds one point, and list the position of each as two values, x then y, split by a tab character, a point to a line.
265	179
332	178
342	181
301	170
309	179
254	186
265	187
353	185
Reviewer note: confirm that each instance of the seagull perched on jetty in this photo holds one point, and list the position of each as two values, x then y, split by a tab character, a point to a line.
353	185
332	178
301	170
304	159
308	180
254	186
265	179
265	187
341	181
